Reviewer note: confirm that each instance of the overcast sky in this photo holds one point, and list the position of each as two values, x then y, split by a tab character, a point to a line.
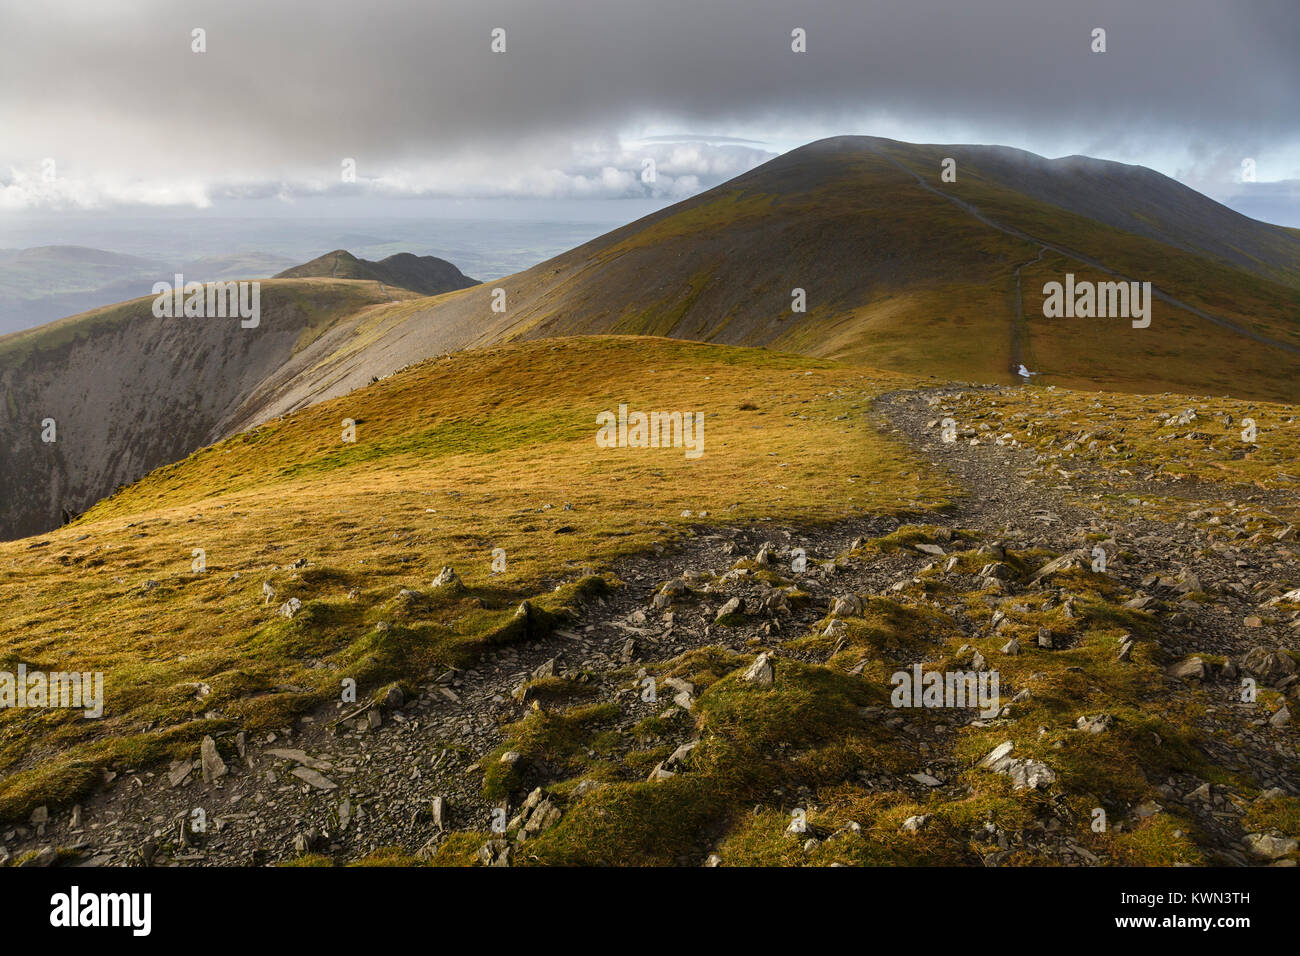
588	89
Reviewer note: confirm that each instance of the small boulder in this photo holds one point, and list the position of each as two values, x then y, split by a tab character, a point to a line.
448	580
1193	668
1270	846
848	605
761	671
733	606
214	767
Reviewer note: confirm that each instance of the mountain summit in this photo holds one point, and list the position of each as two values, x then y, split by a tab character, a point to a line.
858	248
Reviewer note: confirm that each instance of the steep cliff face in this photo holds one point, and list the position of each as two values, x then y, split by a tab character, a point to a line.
98	400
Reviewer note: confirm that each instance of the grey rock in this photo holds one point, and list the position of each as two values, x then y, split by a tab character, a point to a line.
1071	559
1030	774
45	856
494	853
214	768
996	757
447	580
314	778
299	757
1270	846
1268	664
1095	723
179	771
848	605
307	842
1193	668
733	606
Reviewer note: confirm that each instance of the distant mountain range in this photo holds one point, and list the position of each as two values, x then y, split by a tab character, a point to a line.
45	283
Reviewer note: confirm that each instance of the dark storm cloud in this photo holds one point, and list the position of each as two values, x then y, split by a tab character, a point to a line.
288	87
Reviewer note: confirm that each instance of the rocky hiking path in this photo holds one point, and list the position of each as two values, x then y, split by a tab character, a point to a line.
1162	562
405	772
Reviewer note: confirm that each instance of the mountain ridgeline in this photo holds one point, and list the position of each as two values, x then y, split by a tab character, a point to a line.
856	248
853	248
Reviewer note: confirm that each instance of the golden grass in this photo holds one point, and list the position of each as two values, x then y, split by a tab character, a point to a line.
453	458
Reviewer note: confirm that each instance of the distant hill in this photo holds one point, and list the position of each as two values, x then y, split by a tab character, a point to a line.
238	265
44	283
427	275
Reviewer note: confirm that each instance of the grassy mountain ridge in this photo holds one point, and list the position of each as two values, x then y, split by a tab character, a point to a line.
453	458
523	687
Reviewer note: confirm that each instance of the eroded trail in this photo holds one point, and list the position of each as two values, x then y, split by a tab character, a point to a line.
1019	328
408	772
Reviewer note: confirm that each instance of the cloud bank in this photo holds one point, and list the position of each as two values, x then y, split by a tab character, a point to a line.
584	94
